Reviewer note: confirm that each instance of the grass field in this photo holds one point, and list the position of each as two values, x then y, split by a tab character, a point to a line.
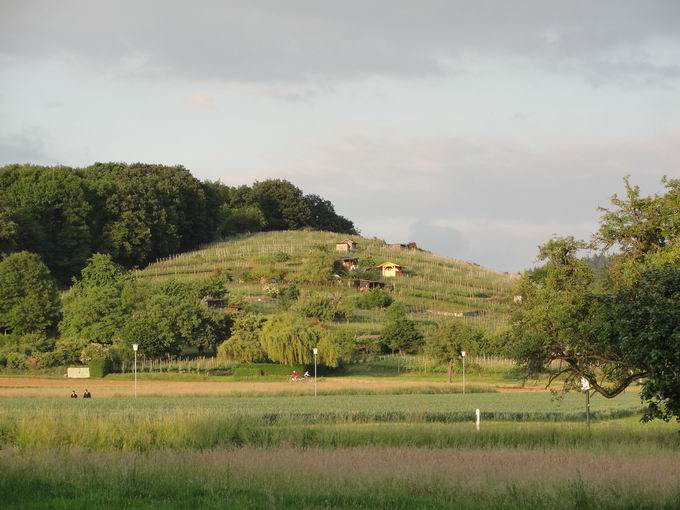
352	449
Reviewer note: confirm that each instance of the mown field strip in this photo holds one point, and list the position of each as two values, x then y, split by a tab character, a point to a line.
524	403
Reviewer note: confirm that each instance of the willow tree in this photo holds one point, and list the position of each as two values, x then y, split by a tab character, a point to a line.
289	339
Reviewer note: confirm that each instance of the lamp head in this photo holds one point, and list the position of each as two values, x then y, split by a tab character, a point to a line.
462	353
135	347
316	351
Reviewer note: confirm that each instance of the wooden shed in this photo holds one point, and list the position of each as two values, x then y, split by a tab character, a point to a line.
412	246
390	270
366	285
350	263
346	245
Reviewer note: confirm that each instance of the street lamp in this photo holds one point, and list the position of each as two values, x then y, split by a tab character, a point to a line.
135	347
462	353
585	386
316	352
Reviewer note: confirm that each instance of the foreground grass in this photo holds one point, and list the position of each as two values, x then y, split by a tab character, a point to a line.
346	478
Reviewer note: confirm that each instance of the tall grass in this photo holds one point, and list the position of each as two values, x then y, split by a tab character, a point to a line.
355	478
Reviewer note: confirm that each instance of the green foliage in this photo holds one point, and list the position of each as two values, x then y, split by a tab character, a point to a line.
317	267
37	342
336	346
140	212
286	296
99	367
96	309
289	339
400	333
67	351
626	327
245	343
448	341
173	317
641	324
374	298
324	307
16	360
29	302
94	351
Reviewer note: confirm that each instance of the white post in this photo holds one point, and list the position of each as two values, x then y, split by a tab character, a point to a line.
462	353
135	347
316	351
477	414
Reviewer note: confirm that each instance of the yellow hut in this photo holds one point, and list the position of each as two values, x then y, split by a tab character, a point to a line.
390	269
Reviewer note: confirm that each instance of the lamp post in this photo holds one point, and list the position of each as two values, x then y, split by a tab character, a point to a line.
135	347
585	386
316	352
462	353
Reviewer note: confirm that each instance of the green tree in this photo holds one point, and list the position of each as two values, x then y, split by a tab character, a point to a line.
96	309
29	302
245	343
282	204
374	298
622	330
448	341
400	334
289	339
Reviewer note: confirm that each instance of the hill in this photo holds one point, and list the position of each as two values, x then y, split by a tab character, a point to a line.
434	288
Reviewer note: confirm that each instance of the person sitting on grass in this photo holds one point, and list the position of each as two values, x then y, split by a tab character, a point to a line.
87	394
294	376
74	394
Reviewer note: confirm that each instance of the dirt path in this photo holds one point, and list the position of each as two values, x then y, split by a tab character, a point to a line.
35	386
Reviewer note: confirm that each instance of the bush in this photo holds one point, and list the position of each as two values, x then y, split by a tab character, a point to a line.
67	351
374	298
99	367
37	342
16	360
323	307
94	351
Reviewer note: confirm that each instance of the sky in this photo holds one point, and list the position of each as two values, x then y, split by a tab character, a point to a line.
478	129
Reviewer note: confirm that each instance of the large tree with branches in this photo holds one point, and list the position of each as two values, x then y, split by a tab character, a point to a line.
622	330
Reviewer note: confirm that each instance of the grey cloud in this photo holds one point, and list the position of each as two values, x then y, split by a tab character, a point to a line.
439	239
487	202
302	40
26	146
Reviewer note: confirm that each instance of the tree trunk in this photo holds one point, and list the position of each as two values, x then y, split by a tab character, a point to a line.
450	370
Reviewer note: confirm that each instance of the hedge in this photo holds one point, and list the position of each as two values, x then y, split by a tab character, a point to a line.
100	367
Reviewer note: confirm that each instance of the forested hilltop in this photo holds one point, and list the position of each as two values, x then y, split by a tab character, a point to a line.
138	213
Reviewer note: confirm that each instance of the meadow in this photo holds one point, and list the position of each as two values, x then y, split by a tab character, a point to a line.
343	450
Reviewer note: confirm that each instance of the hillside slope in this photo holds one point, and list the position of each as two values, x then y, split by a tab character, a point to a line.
436	288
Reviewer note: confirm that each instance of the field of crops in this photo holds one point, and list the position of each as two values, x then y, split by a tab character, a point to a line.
435	289
416	450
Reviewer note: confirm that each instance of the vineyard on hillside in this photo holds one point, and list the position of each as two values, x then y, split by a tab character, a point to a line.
434	288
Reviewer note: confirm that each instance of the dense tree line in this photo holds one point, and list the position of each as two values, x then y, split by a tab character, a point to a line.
140	212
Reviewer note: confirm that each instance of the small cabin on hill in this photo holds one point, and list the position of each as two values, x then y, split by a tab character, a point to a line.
412	246
366	285
350	263
346	245
390	270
